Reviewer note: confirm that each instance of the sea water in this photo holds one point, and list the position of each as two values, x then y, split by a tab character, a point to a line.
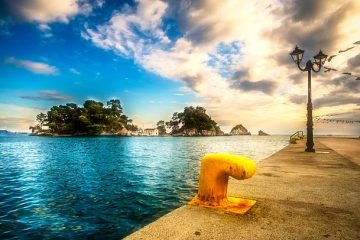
104	187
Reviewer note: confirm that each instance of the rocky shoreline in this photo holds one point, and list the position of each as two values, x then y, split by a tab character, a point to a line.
238	130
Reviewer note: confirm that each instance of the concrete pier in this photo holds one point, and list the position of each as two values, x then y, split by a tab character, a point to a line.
299	195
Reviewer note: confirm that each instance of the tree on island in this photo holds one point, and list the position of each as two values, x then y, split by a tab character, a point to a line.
41	119
92	119
193	119
161	127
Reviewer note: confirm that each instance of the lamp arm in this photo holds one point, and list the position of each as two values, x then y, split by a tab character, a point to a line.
312	67
302	69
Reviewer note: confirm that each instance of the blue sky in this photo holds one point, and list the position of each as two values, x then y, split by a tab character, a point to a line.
83	71
159	56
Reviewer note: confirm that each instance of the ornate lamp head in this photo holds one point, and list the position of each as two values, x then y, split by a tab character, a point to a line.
320	59
297	55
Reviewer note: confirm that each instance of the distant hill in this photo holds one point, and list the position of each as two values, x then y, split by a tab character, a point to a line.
239	130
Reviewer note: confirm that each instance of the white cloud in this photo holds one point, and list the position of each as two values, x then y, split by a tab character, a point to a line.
44	11
131	33
44	27
221	38
35	67
100	3
46	30
74	71
46	95
48	11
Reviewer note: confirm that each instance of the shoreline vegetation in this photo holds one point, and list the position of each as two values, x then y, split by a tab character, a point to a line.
97	119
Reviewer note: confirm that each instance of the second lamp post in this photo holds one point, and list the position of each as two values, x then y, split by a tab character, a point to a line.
319	61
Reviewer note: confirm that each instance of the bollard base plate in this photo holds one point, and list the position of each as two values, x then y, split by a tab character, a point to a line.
231	204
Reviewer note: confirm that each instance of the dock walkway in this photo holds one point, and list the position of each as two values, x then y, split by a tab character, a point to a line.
299	196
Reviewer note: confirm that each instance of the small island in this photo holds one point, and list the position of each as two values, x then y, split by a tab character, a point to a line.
94	118
193	121
262	133
239	130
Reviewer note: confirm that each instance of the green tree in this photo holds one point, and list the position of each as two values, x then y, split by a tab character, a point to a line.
115	108
95	111
174	123
192	118
132	127
41	118
161	127
35	129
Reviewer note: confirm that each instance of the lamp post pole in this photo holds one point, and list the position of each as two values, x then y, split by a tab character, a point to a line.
309	124
319	61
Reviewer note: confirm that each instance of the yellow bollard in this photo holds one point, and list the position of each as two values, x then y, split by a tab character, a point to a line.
214	176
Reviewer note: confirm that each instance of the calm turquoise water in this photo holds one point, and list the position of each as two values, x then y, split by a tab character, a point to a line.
104	187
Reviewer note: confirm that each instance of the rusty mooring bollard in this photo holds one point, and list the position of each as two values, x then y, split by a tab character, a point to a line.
214	176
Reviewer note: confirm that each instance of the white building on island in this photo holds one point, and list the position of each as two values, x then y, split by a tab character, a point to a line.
150	132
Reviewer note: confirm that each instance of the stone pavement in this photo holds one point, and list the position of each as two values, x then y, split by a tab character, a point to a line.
299	196
347	147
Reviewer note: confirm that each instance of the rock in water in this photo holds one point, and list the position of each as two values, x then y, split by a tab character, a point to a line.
239	130
261	133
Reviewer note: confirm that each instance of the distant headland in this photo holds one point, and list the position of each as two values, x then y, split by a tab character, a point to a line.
4	132
97	119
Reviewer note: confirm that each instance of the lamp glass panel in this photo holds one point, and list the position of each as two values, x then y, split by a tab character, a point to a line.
297	55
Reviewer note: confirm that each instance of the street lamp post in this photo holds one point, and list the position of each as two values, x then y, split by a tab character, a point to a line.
319	61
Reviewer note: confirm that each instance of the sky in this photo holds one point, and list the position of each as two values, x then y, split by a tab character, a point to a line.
231	57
